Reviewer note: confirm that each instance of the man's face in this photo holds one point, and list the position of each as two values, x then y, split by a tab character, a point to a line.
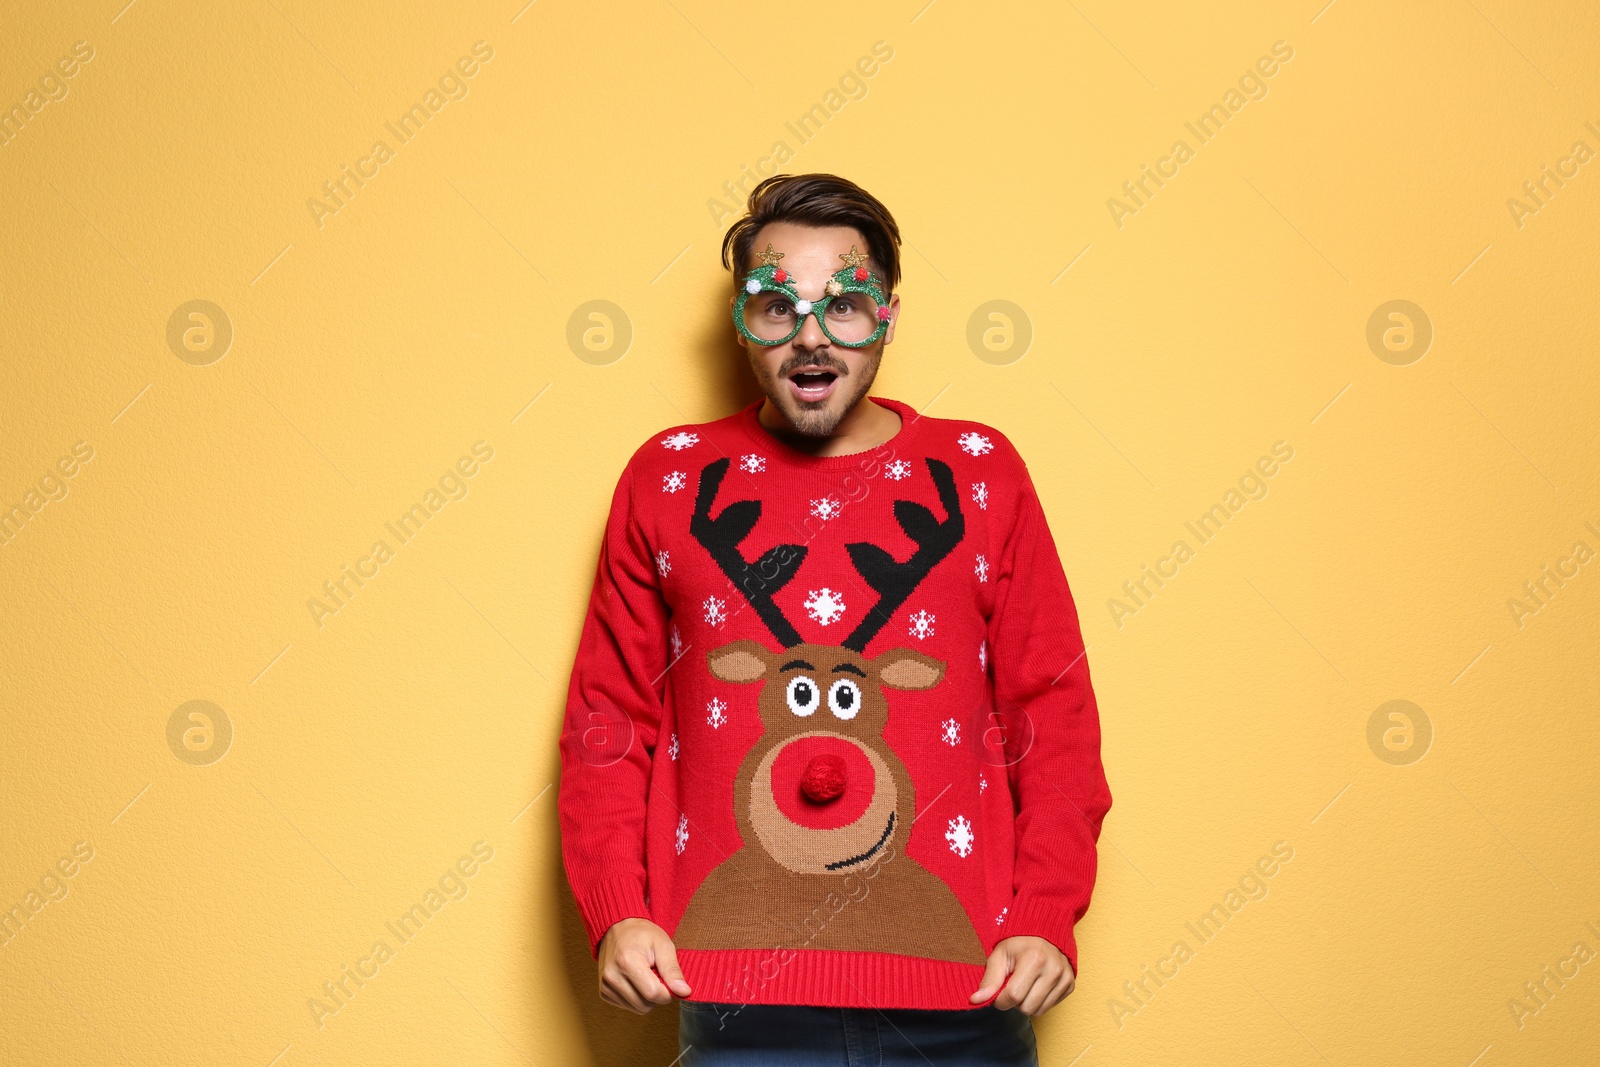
810	380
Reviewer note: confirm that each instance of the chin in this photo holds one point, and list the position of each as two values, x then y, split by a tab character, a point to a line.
812	420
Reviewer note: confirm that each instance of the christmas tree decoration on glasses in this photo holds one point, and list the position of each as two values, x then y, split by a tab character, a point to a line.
852	312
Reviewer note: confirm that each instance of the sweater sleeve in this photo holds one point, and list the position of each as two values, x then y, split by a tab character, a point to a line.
613	715
1046	708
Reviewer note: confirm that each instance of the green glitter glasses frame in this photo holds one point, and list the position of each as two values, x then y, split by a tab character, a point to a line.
852	312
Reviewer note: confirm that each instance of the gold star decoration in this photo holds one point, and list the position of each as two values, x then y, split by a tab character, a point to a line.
852	258
769	257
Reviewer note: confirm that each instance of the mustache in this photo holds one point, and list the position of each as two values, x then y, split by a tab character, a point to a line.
795	364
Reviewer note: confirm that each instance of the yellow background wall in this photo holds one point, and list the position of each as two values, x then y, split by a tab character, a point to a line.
364	752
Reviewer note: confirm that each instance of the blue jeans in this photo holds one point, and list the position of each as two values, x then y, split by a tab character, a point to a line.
712	1034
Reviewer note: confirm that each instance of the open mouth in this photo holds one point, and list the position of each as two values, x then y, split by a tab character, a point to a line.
887	830
812	385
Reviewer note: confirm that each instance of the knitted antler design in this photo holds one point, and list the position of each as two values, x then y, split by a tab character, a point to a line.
721	537
893	581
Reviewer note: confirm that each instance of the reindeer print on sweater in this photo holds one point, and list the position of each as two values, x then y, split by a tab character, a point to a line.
822	794
830	724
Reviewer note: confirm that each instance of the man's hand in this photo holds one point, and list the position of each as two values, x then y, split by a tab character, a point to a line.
628	951
1040	975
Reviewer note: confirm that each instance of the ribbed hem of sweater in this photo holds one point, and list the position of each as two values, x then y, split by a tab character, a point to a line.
828	978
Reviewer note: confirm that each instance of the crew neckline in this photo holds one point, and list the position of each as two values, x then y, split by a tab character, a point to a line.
751	423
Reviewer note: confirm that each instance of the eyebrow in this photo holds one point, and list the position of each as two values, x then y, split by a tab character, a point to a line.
851	667
792	664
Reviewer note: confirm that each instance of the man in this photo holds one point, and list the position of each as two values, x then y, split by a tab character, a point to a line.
831	761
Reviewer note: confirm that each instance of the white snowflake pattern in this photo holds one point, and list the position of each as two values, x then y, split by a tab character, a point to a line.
983	783
983	655
898	470
981	568
671	483
922	625
716	712
714	609
960	836
980	495
675	641
663	564
672	747
950	732
824	605
974	443
998	919
680	440
683	833
826	508
752	463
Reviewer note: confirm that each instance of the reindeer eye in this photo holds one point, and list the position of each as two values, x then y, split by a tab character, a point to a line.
844	697
803	695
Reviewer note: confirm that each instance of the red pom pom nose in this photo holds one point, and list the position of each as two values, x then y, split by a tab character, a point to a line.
824	778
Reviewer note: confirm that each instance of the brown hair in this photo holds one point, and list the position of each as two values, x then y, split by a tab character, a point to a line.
816	200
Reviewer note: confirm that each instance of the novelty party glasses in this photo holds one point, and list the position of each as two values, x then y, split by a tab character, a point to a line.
852	311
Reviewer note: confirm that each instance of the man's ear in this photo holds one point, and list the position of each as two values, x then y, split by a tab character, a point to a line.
741	661
901	668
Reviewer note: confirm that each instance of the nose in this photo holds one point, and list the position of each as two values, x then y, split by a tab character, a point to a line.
824	778
811	336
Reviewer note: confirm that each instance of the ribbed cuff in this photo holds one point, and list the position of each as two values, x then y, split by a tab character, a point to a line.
604	905
1042	918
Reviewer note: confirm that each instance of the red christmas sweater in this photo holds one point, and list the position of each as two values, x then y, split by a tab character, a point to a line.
830	723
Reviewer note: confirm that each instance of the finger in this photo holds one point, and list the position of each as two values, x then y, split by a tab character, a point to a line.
1027	969
1043	985
667	966
622	986
620	993
1063	987
608	996
995	973
649	988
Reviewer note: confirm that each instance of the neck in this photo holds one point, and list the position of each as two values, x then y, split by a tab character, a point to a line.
864	427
